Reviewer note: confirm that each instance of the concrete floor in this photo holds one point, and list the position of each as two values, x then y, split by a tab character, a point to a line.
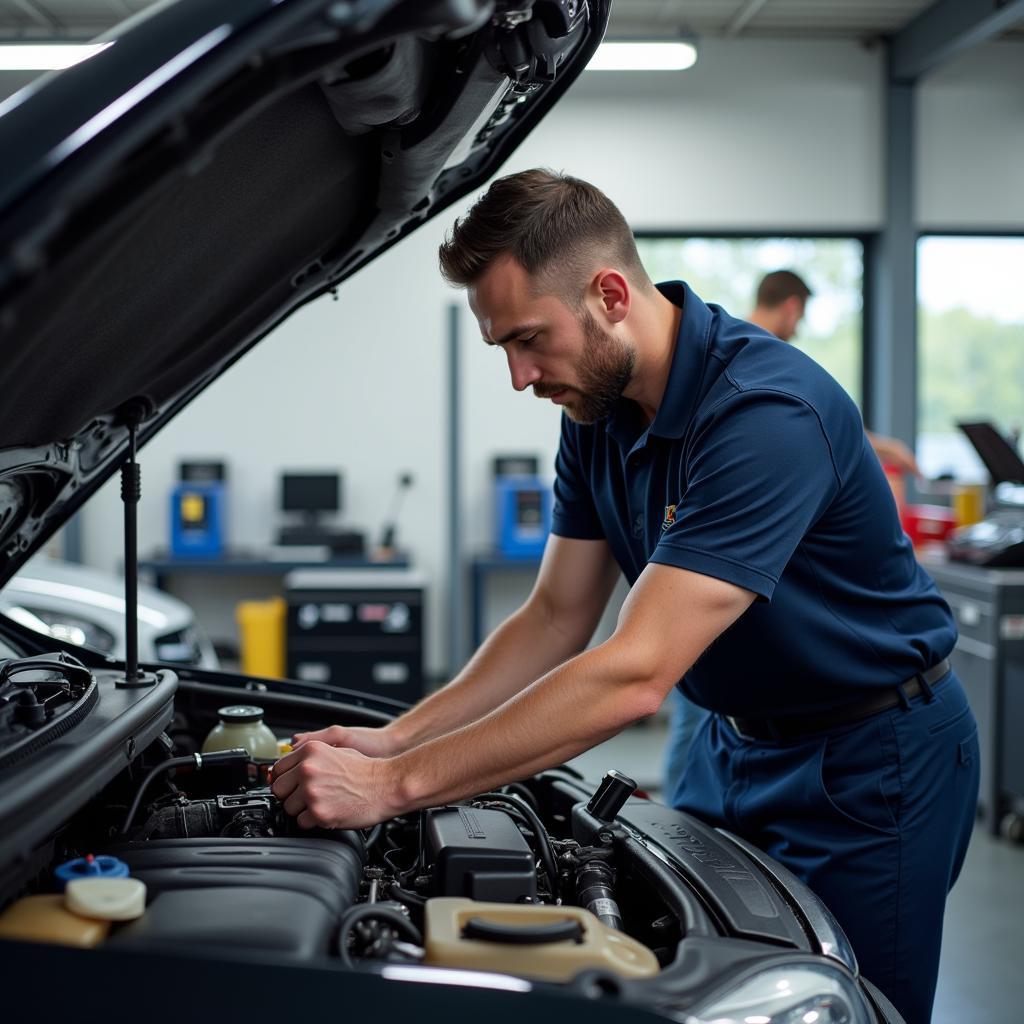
981	975
981	980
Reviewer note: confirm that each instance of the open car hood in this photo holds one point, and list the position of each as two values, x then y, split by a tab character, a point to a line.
166	203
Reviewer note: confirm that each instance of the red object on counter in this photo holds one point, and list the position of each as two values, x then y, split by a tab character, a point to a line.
927	524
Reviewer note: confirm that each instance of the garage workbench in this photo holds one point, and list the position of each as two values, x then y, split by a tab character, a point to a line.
160	570
212	587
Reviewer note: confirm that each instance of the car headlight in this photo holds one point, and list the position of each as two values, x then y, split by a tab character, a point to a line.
180	647
799	994
72	629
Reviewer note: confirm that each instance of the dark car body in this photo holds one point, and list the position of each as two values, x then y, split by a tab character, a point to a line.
162	207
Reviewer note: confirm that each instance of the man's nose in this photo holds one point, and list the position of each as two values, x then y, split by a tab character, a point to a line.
522	370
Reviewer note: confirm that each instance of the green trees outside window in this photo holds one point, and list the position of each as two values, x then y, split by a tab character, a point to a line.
726	271
970	346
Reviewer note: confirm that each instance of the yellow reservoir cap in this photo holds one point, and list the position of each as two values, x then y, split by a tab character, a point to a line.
445	919
44	918
106	899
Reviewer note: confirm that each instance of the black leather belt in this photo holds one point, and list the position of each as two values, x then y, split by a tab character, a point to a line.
794	726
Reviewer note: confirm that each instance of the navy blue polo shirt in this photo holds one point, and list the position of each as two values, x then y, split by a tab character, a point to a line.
756	470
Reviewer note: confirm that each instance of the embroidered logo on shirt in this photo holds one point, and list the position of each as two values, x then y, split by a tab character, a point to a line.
670	517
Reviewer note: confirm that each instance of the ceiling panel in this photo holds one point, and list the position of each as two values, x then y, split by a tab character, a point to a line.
824	19
794	18
57	19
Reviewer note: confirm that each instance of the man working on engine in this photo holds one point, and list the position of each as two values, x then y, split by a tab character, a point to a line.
779	306
729	478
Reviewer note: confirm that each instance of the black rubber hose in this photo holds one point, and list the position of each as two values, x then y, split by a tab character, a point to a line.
163	766
406	896
196	760
546	851
520	790
373	911
595	883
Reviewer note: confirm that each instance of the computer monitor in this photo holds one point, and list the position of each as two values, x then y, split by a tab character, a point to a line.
1002	462
311	493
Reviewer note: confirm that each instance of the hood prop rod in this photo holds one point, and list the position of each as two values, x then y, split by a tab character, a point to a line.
131	492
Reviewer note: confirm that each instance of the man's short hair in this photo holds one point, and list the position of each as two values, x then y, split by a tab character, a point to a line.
558	228
780	285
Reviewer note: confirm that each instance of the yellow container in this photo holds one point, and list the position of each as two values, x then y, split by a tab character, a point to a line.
598	946
44	918
968	503
261	628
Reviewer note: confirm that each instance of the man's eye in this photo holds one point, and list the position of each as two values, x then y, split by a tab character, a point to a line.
528	341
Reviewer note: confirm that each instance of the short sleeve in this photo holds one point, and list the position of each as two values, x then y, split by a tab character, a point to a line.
759	474
574	513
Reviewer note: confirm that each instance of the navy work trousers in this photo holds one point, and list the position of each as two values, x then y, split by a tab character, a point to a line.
875	817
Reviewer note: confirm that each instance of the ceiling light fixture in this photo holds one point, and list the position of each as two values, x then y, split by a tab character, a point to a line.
45	56
677	55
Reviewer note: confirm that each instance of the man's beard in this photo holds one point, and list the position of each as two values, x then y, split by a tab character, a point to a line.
604	371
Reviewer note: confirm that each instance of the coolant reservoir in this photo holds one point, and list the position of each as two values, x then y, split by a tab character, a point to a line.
241	725
45	918
553	943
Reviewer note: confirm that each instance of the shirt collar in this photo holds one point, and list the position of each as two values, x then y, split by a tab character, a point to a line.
685	374
687	370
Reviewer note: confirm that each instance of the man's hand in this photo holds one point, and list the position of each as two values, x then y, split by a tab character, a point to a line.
333	787
372	742
893	451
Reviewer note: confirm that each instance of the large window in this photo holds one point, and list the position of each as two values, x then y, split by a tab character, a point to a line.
970	346
727	270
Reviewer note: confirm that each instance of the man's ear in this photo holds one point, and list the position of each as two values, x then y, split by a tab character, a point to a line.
613	295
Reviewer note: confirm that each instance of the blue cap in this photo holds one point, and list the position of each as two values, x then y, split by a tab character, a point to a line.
90	867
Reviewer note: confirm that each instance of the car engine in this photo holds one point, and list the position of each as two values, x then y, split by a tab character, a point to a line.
463	885
225	868
119	835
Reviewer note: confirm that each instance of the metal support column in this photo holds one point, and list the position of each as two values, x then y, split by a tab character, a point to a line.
939	32
946	29
891	356
456	600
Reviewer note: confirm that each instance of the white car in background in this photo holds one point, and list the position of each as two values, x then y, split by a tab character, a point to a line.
85	606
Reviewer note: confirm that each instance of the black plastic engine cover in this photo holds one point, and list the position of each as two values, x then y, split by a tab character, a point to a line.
38	794
280	895
479	853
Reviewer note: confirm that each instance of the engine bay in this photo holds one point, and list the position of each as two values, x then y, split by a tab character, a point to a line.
123	844
468	885
513	873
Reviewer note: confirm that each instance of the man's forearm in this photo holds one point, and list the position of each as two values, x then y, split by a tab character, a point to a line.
581	702
522	649
573	707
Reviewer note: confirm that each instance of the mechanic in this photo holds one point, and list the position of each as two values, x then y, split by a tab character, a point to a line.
729	478
779	306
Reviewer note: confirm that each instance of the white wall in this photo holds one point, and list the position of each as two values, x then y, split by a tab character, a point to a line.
970	142
758	135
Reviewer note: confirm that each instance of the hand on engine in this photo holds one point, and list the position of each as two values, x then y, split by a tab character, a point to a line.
332	787
372	742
